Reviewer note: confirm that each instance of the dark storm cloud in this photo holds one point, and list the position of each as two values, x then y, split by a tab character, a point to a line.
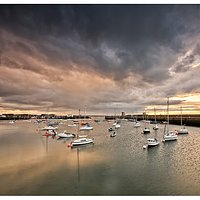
132	45
113	40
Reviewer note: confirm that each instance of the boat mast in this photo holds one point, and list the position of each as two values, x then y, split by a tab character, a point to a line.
167	114
181	117
85	113
79	112
155	114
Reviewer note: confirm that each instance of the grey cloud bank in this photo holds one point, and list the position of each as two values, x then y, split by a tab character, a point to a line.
102	56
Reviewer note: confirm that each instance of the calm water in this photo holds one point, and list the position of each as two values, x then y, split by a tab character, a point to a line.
31	164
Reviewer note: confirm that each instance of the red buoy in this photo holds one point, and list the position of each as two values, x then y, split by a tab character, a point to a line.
69	145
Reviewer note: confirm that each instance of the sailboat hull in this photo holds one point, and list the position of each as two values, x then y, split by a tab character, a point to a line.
170	138
82	141
153	145
152	142
183	131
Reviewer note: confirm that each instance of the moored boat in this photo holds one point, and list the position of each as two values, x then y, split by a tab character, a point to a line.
136	124
46	128
152	142
146	130
168	134
111	129
113	134
117	126
81	141
86	127
182	130
155	127
66	135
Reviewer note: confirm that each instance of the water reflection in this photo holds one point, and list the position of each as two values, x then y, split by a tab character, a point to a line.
117	166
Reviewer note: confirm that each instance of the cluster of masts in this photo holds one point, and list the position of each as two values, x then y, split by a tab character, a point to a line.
169	135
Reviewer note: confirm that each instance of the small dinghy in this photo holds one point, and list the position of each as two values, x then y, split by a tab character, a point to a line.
111	129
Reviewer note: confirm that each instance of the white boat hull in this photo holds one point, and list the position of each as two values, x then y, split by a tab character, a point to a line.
82	141
137	124
152	142
117	126
170	137
183	131
65	135
86	128
49	128
71	125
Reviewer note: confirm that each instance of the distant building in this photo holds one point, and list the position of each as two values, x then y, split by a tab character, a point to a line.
123	115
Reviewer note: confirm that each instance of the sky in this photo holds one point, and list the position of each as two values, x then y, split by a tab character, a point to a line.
102	59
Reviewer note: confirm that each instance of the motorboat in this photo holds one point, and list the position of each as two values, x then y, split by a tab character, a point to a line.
81	141
152	142
146	130
113	134
12	122
86	127
170	136
46	128
66	135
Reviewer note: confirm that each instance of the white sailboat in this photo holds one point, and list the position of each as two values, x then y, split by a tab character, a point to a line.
182	130
85	125
64	134
146	130
152	142
169	135
155	127
136	123
81	141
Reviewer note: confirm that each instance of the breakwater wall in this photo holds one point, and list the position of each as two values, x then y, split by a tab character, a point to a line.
188	120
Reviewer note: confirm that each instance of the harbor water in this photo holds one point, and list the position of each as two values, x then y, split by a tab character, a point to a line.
32	164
